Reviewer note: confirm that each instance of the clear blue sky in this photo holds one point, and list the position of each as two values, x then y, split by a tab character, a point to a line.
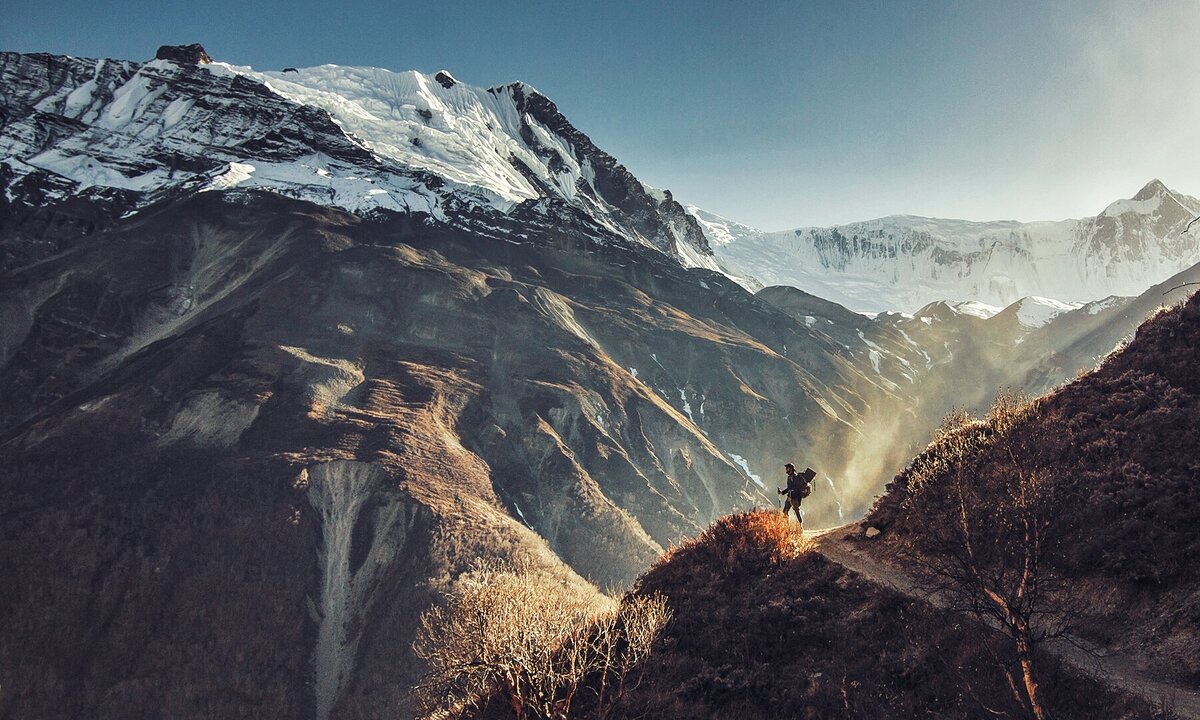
777	114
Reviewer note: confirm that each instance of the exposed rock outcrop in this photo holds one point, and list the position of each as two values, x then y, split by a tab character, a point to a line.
184	54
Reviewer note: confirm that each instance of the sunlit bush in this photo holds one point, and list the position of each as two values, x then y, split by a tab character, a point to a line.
532	643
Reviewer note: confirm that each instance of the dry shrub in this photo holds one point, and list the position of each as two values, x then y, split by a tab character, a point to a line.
751	537
745	541
535	644
989	521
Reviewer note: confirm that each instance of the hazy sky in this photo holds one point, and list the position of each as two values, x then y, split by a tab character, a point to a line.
777	114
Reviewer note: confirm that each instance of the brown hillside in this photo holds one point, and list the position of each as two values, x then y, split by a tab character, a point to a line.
1121	449
764	627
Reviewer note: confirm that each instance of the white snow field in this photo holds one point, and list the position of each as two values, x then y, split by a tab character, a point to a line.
902	262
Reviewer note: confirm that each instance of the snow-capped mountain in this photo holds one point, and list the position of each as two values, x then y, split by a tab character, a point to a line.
903	262
360	139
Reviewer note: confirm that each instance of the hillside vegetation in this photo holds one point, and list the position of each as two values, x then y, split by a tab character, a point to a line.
1119	452
762	626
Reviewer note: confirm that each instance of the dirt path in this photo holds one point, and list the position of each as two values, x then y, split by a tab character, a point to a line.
1114	670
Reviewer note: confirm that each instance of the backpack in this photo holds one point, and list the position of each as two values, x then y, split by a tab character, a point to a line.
805	487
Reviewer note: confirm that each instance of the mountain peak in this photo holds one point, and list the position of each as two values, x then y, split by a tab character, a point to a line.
1147	201
1154	188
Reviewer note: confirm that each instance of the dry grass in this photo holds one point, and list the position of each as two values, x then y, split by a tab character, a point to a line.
1120	452
762	628
743	541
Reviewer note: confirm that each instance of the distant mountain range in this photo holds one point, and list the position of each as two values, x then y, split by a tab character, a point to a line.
902	262
366	139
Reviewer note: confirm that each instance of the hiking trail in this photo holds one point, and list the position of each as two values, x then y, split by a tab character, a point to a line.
1115	670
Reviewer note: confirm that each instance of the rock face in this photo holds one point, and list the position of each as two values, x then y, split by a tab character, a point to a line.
184	54
902	263
656	216
346	412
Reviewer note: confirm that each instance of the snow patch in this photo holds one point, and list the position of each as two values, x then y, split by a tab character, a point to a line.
977	309
175	111
876	357
1035	312
690	257
687	407
237	174
521	515
1100	306
1139	207
741	462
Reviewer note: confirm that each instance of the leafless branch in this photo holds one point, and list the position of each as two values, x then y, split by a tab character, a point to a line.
512	636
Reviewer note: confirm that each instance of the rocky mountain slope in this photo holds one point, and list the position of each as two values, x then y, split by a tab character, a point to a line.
950	355
903	262
255	420
372	404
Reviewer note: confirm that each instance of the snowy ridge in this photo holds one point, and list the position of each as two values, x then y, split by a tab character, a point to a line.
362	139
1035	312
466	135
721	231
977	309
903	262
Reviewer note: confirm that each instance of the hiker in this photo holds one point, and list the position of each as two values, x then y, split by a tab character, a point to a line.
798	487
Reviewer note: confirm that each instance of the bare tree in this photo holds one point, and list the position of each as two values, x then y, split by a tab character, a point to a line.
619	643
532	642
989	525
